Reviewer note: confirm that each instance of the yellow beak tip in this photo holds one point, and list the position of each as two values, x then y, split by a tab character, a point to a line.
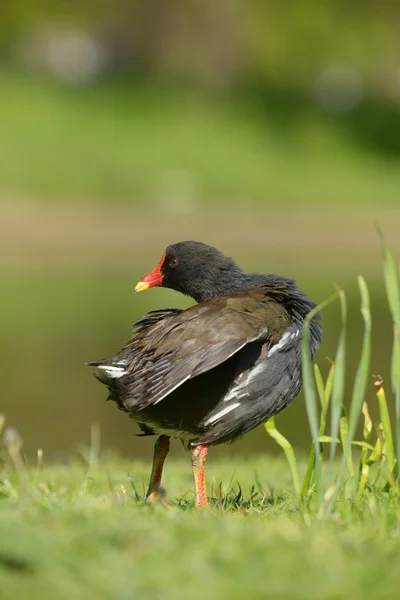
141	286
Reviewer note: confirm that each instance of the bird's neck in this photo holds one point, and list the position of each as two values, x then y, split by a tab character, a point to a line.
296	302
216	285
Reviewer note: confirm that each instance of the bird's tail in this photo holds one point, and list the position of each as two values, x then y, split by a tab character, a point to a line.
113	367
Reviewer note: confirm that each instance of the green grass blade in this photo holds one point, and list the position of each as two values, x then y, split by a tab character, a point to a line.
329	384
344	436
395	363
360	385
324	393
376	454
395	376
309	390
288	450
325	439
392	285
392	281
363	445
386	425
320	385
362	377
308	476
367	429
365	448
338	384
364	476
365	464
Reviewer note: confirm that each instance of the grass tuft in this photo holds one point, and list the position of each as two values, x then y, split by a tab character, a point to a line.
374	467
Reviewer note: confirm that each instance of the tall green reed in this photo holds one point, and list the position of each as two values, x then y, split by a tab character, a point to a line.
392	285
378	454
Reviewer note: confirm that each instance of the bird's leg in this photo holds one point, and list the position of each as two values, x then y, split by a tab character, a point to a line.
161	449
199	456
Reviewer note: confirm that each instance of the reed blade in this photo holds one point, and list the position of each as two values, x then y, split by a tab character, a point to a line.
360	386
338	384
392	286
310	392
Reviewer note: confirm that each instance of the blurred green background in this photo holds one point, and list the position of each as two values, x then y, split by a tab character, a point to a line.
270	130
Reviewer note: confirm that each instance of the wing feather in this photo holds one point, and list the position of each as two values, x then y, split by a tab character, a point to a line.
186	345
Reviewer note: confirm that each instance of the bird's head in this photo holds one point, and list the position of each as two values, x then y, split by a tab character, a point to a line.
195	269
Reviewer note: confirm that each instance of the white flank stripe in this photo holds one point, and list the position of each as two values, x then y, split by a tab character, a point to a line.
115	374
231	395
286	336
273	350
221	413
112	371
254	373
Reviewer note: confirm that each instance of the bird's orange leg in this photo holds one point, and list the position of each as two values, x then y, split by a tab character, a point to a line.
161	449
199	456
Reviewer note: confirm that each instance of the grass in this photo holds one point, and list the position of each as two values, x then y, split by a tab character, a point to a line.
67	532
119	143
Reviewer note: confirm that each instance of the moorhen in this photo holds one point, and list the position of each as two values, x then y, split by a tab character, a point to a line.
212	372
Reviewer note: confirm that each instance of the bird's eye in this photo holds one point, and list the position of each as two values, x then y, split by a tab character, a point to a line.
173	262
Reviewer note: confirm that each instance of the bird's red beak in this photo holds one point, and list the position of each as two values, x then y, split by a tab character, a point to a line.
152	279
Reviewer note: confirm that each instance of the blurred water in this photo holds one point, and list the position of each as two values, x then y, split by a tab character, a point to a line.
52	322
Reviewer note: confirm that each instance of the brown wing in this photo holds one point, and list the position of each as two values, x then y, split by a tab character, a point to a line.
178	348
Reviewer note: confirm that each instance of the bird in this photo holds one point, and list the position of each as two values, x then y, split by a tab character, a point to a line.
212	372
